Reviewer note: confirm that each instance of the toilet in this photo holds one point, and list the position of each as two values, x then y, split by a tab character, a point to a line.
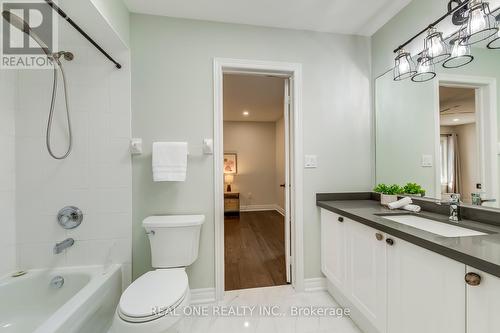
153	303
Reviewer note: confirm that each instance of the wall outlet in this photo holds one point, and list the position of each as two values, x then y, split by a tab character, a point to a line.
427	161
310	161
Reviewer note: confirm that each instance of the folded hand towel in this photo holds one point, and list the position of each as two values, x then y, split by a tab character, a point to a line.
169	161
412	208
400	203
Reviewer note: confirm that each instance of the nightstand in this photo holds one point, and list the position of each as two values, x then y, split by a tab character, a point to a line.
231	203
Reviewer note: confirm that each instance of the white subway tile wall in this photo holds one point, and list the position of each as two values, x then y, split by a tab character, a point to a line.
8	109
96	177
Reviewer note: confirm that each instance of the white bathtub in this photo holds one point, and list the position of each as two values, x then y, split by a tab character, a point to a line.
85	303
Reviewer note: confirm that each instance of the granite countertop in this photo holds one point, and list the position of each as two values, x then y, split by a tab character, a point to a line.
480	252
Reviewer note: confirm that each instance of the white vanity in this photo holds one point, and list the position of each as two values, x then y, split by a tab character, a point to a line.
394	286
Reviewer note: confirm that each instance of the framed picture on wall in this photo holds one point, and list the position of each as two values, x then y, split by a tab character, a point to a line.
230	163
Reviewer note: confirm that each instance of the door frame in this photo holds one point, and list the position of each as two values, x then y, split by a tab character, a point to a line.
223	66
486	115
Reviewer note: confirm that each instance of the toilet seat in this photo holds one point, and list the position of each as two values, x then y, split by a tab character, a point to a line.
163	290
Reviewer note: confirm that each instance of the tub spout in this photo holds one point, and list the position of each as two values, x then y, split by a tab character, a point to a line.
59	247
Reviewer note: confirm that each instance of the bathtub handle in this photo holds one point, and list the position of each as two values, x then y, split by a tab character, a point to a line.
150	233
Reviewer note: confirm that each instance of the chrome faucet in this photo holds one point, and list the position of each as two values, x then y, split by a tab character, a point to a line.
478	201
454	204
59	247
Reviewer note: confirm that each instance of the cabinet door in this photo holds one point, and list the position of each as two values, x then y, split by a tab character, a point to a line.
333	247
367	273
483	304
426	291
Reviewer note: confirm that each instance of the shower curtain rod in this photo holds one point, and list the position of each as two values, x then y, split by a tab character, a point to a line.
82	32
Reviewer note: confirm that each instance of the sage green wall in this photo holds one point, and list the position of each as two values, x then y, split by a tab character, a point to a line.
172	99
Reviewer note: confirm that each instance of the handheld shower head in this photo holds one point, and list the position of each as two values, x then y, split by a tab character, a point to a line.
22	25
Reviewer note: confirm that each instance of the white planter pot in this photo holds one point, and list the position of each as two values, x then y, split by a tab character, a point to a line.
386	199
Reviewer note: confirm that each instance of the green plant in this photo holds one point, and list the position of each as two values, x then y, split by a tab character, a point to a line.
388	189
413	188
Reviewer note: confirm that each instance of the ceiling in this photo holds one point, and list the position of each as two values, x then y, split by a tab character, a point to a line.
457	106
360	17
261	96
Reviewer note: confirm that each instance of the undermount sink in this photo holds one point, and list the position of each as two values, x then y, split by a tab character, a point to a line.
435	227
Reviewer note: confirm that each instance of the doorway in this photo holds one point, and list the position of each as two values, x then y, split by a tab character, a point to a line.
291	243
255	228
466	139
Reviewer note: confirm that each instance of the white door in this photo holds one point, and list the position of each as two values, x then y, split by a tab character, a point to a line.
367	272
333	246
483	302
426	291
288	183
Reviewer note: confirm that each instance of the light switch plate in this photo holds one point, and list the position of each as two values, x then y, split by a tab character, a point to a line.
136	146
427	161
311	161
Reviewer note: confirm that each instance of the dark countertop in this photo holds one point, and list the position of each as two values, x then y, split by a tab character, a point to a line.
480	252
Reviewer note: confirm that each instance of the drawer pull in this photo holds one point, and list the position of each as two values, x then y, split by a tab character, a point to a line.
341	219
379	236
390	241
473	279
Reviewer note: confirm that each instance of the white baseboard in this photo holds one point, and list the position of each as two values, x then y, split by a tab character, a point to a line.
202	295
315	284
279	210
260	208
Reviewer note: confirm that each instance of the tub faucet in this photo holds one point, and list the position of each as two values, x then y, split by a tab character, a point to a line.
59	247
454	204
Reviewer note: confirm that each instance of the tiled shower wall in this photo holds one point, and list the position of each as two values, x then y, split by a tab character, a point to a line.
96	177
8	89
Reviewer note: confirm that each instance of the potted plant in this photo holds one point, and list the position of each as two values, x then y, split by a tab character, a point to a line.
413	189
388	193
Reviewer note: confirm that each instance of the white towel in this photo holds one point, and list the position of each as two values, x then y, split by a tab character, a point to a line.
400	203
412	208
169	161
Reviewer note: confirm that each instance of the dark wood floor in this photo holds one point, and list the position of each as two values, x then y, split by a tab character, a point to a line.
254	253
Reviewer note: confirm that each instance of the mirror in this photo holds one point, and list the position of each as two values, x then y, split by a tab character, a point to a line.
443	133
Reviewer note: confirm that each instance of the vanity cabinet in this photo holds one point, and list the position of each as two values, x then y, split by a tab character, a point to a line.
483	302
397	286
425	290
333	248
367	272
353	258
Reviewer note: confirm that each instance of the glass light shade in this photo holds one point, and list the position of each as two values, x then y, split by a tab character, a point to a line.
426	70
435	47
495	43
403	66
480	25
460	55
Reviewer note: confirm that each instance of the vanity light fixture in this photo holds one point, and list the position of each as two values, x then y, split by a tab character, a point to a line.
435	46
460	54
480	25
426	70
246	113
404	66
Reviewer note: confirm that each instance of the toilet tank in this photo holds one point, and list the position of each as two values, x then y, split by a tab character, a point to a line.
174	239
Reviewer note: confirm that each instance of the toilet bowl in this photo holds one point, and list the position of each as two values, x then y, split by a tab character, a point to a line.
155	302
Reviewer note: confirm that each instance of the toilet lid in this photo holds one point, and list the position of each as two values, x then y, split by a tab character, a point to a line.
162	289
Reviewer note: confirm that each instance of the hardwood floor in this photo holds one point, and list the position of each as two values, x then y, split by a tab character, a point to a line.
254	253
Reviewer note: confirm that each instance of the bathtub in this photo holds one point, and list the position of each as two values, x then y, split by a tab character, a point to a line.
85	303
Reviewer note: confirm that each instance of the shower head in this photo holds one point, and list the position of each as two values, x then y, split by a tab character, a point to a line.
22	25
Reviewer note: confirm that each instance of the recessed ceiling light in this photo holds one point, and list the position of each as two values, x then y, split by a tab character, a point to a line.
456	119
246	113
